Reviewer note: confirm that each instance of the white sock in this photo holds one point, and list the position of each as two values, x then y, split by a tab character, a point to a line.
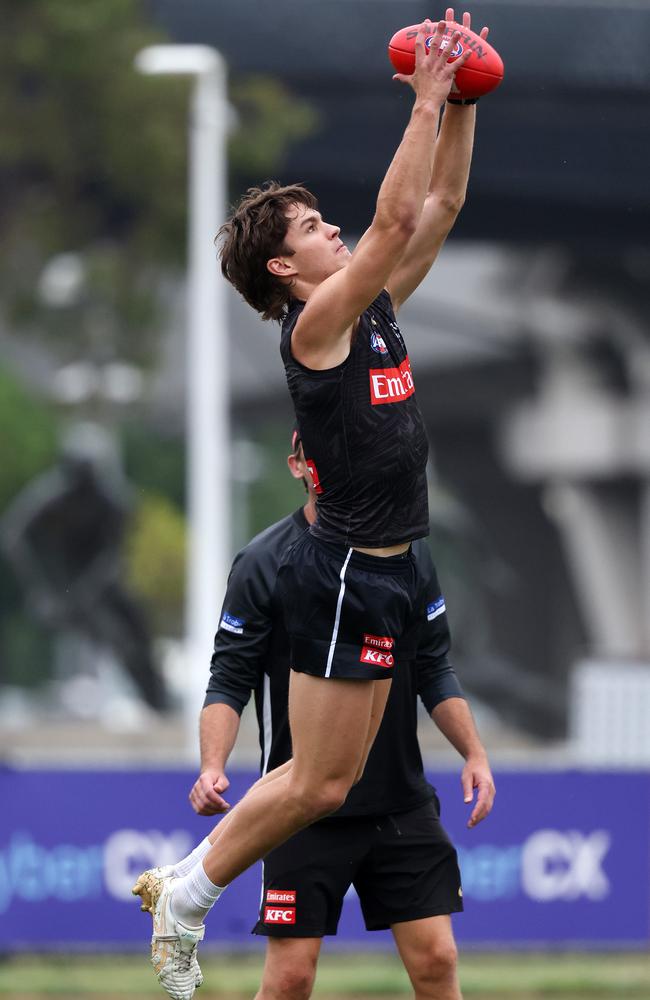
193	896
185	866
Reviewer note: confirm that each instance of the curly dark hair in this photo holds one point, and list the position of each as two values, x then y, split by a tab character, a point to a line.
253	235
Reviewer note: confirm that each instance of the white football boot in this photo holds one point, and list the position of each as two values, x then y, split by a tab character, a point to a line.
150	886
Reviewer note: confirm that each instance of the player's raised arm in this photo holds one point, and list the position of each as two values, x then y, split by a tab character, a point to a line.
321	335
445	197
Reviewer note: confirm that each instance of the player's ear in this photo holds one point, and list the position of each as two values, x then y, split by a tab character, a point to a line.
296	467
280	267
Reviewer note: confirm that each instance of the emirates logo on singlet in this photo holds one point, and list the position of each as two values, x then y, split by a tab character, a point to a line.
391	385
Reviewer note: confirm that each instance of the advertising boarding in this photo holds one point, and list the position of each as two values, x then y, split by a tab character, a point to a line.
562	861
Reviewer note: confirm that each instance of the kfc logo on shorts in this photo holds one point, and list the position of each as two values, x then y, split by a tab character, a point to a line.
391	385
378	641
281	896
277	915
376	658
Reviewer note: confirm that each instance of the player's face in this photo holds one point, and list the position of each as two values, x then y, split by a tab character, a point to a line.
318	249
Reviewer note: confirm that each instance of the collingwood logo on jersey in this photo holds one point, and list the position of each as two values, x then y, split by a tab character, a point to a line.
378	343
232	624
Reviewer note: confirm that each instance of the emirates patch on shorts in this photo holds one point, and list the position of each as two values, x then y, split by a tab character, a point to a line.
281	896
378	641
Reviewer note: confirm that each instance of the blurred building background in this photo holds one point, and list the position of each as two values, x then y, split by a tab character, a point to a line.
530	342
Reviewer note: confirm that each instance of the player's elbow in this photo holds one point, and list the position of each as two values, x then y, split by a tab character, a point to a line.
398	229
450	204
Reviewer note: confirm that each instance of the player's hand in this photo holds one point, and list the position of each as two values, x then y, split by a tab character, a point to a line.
205	797
434	74
477	775
467	21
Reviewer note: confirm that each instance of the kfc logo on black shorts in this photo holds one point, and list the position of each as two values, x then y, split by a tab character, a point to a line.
375	657
279	915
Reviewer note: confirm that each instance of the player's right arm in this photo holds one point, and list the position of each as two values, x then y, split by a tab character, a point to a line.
443	697
218	729
240	650
322	333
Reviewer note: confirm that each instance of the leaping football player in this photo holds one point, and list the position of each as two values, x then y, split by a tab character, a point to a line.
349	586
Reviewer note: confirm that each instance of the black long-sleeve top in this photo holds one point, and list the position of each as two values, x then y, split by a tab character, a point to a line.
251	653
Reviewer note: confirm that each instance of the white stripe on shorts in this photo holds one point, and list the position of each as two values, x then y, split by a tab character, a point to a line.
338	614
267	715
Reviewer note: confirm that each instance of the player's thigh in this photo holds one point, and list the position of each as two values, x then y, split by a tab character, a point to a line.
427	947
289	968
330	720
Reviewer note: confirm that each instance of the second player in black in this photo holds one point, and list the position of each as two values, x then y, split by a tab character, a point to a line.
387	839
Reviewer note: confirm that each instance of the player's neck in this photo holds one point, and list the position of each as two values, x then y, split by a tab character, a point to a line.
309	510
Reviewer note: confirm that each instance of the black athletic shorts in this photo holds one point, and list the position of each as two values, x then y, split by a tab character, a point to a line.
403	867
345	610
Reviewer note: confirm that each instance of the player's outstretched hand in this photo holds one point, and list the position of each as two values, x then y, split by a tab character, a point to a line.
467	21
477	775
205	797
434	74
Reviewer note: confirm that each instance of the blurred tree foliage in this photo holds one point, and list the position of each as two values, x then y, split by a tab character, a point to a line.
30	434
28	427
155	555
154	461
93	160
93	164
268	121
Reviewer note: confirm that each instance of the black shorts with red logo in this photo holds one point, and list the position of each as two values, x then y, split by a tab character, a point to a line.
345	610
402	866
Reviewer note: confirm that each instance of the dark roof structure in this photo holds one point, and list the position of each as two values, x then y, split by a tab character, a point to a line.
562	150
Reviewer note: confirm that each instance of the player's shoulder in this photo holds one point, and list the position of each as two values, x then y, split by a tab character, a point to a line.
383	303
271	543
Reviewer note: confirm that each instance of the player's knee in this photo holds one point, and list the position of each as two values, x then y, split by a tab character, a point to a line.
330	796
436	966
321	798
294	982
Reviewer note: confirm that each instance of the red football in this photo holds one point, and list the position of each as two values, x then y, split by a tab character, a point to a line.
482	72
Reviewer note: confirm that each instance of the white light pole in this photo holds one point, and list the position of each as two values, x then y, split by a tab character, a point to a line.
208	443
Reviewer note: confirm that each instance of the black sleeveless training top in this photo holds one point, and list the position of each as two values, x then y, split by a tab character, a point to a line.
363	434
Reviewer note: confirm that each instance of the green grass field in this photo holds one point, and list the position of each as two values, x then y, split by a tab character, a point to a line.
484	977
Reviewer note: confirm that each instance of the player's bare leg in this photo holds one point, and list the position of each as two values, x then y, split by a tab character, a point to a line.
277	772
428	950
330	726
289	968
